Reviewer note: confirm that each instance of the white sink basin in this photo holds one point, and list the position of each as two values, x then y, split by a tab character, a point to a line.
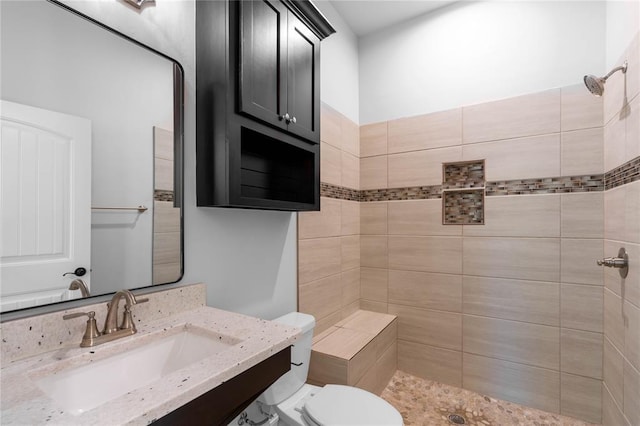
82	388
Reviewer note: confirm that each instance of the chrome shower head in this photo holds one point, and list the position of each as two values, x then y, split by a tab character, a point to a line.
596	84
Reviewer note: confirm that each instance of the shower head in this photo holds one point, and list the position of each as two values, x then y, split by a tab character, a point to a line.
596	84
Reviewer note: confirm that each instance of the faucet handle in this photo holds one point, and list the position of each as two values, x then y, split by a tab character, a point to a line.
91	332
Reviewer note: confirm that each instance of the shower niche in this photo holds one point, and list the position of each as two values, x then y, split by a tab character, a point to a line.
463	185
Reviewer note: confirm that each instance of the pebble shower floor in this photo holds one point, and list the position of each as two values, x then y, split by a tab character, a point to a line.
427	403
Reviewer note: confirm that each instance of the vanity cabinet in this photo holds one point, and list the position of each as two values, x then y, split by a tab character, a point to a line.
258	103
221	405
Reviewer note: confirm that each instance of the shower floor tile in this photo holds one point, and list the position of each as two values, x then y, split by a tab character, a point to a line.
424	402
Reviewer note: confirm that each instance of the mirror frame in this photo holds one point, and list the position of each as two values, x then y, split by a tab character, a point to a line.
178	140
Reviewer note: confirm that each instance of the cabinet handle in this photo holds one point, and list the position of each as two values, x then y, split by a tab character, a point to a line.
285	117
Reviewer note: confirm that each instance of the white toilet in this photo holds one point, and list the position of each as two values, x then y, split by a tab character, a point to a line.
297	403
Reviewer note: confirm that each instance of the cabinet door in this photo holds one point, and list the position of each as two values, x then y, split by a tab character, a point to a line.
263	61
303	80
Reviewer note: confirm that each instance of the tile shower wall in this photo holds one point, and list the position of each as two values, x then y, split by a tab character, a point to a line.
621	368
329	240
512	308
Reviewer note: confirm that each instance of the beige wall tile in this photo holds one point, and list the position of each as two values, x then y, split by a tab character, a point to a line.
611	413
426	290
434	328
386	366
166	247
581	398
581	307
374	251
520	342
615	93
373	218
321	298
369	322
386	338
324	223
630	285
615	143
322	324
522	384
418	168
578	261
632	334
529	301
166	218
523	216
350	252
582	215
373	172
632	149
373	306
368	381
318	258
614	318
435	130
527	115
350	171
330	126
166	272
163	174
350	136
622	213
373	284
330	164
503	258
350	221
631	394
581	353
613	371
350	309
531	157
580	109
427	254
373	139
419	217
582	152
350	286
441	365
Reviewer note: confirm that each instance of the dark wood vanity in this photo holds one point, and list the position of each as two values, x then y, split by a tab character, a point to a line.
258	104
222	404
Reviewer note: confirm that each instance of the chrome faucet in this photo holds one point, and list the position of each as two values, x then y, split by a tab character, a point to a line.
111	331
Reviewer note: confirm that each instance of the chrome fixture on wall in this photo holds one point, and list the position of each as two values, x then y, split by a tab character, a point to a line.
621	262
596	84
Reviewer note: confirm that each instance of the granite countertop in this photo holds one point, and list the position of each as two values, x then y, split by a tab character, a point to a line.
23	402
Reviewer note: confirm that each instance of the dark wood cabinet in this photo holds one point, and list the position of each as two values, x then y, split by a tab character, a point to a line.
222	404
258	103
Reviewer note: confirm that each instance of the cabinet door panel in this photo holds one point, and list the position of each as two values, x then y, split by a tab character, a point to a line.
303	80
263	89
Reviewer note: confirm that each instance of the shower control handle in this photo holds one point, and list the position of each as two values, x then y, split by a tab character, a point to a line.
620	262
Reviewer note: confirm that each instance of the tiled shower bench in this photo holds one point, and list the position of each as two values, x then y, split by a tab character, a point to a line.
359	351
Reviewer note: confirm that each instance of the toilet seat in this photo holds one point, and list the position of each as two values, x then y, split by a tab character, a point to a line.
346	405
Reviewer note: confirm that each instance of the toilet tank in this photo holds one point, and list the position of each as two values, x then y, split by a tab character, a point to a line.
293	380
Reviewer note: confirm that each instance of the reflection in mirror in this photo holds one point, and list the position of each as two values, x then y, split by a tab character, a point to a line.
90	157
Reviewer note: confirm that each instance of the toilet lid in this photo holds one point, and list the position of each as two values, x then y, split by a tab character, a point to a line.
346	405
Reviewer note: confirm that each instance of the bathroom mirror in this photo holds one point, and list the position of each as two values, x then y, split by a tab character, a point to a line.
91	158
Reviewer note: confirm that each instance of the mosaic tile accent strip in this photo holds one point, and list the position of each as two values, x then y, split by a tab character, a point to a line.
162	195
554	185
424	402
465	174
396	194
339	192
626	173
591	183
463	207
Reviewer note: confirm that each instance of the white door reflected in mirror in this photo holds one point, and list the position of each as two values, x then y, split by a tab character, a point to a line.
45	199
